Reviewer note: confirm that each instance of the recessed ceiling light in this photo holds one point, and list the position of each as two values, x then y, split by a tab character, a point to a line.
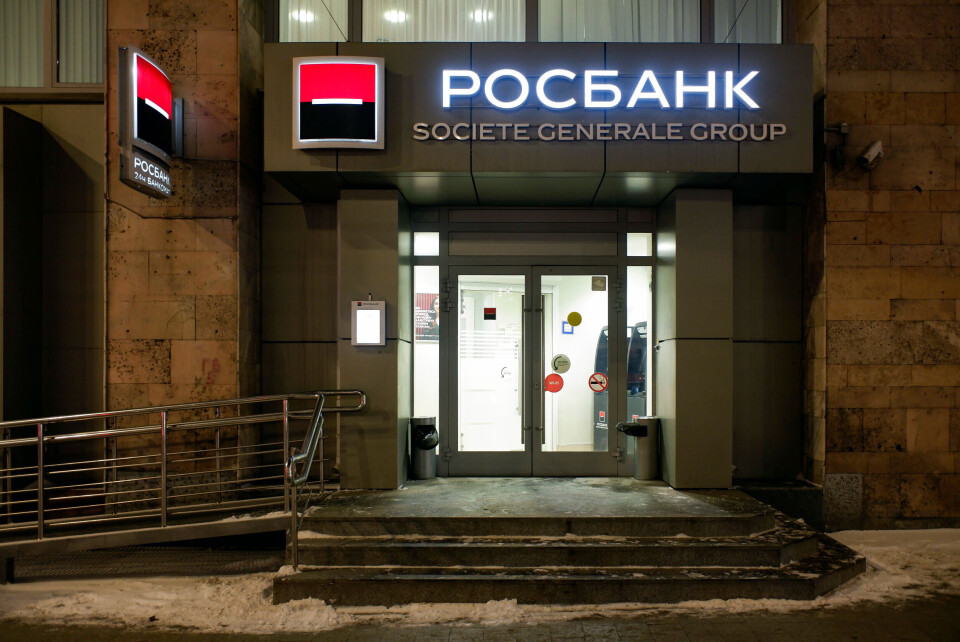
481	15
394	15
303	15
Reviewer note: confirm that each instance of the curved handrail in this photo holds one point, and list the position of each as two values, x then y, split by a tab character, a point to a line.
314	434
309	449
306	455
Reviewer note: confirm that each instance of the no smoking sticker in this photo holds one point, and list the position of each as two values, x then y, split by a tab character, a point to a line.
598	382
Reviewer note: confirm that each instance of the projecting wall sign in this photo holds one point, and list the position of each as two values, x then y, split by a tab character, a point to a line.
338	102
150	121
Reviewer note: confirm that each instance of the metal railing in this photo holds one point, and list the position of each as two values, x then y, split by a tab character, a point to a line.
147	467
303	459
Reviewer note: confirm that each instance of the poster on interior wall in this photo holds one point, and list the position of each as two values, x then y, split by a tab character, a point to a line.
426	317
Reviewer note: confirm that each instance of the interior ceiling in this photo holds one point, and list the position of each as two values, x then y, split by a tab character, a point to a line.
570	190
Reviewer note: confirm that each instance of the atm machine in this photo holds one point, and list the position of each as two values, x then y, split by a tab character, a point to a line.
637	372
636	382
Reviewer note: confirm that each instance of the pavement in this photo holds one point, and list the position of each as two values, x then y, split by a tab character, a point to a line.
937	619
895	617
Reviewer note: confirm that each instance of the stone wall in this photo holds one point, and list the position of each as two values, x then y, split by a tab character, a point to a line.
811	29
891	267
182	274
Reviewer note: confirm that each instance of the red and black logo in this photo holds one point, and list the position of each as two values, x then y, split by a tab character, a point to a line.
154	110
340	102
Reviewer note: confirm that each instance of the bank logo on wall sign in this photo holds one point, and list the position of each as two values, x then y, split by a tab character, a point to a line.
150	123
338	102
153	118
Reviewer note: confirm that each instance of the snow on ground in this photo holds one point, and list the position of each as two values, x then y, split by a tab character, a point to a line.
901	565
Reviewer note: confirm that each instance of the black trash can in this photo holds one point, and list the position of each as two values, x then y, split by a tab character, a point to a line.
423	454
646	446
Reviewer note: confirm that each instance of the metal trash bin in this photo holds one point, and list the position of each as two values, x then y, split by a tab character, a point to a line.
424	439
646	446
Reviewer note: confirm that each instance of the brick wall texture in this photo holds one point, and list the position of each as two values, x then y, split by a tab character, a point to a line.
883	286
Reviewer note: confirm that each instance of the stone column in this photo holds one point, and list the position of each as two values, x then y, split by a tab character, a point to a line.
694	326
891	257
375	245
182	286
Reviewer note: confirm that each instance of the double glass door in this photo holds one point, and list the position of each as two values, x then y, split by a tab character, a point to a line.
529	387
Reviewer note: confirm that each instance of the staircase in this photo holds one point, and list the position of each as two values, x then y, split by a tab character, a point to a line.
749	552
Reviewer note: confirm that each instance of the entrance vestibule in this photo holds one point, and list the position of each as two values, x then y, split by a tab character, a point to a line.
513	352
525	395
723	327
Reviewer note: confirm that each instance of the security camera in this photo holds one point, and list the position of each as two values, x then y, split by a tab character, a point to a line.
871	155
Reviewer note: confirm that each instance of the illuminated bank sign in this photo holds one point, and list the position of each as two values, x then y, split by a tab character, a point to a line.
599	89
338	102
147	119
560	90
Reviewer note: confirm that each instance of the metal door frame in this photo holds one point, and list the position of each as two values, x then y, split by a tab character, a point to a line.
519	220
532	460
584	463
481	463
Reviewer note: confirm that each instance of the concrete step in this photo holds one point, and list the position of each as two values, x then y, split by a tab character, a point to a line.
727	525
805	579
772	549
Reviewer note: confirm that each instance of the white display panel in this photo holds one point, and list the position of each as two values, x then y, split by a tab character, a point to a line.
368	326
368	323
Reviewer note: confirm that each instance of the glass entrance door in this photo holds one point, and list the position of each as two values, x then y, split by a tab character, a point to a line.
529	384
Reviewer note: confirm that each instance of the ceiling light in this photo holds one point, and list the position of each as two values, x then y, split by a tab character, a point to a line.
303	15
481	15
394	15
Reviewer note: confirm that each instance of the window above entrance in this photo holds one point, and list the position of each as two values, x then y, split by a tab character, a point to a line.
719	21
620	20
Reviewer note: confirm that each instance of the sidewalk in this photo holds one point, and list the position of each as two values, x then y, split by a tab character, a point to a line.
911	591
931	619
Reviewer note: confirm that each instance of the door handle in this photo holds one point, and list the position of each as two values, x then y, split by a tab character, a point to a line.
542	419
521	387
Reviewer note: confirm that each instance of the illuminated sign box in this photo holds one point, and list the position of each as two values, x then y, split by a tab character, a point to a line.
338	102
148	119
676	91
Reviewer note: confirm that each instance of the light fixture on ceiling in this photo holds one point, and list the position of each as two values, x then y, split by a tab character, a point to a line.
482	15
395	15
303	15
